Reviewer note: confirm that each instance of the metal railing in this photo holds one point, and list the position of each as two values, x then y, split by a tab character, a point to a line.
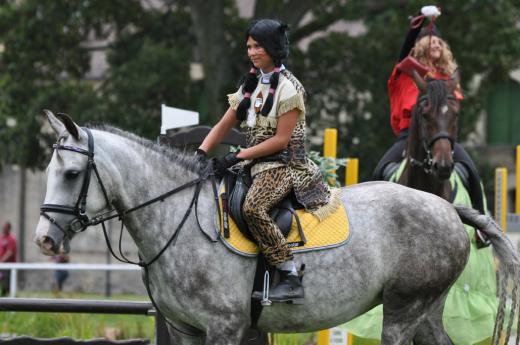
14	267
88	306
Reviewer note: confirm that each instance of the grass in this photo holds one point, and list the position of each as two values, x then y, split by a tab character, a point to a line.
90	326
77	326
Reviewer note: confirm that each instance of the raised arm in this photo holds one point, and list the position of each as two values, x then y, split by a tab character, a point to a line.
415	28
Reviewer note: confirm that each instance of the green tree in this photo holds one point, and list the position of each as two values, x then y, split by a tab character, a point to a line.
46	57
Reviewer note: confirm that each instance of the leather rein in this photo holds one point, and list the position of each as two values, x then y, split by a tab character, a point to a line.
81	221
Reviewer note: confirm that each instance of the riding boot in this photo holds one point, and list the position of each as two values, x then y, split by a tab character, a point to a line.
288	290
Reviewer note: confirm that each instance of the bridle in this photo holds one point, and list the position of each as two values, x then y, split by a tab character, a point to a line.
81	221
428	142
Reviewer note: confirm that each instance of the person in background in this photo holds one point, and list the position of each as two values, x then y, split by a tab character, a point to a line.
436	61
60	276
7	254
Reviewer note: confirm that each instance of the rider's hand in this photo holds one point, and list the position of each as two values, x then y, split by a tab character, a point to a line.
200	155
430	11
221	164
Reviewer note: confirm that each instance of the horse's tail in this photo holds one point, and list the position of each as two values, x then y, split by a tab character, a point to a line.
509	268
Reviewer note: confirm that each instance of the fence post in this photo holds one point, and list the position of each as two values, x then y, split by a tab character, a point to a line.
13	280
501	197
517	186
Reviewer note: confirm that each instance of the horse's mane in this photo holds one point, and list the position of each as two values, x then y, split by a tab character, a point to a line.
172	154
436	93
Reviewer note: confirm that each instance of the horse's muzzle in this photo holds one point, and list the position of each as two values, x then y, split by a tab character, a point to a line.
443	171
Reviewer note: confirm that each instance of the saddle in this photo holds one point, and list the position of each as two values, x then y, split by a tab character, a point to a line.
237	183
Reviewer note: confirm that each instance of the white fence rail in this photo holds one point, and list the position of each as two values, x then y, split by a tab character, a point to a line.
15	267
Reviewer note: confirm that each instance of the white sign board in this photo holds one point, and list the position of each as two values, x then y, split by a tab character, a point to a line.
175	118
338	336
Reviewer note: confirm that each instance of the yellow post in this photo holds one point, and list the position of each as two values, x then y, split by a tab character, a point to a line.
501	197
330	143
323	337
517	187
352	171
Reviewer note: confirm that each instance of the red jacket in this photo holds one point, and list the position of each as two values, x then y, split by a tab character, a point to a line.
8	243
403	94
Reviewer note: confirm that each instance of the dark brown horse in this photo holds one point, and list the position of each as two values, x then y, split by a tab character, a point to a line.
433	133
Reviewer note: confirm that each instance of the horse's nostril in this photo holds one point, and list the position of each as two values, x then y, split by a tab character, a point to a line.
47	243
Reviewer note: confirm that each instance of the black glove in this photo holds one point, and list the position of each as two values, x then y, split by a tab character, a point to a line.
221	164
200	155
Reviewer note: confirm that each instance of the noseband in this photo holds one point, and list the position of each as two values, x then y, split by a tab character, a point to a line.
81	221
428	143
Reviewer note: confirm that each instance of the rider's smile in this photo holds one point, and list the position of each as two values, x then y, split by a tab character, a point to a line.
259	56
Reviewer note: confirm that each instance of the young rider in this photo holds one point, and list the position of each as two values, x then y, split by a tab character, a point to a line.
270	106
429	49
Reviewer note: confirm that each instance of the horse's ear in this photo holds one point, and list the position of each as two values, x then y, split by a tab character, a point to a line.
62	122
55	123
71	127
419	81
454	81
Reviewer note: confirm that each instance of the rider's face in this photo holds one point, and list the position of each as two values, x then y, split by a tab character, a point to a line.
259	56
436	48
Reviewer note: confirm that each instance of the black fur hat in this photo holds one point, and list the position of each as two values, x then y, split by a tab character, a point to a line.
272	36
430	29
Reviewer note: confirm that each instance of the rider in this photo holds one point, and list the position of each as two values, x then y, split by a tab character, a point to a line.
270	106
430	50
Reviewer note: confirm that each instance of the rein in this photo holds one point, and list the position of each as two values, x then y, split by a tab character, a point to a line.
81	222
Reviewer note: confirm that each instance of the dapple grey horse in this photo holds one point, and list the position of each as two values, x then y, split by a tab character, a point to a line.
406	248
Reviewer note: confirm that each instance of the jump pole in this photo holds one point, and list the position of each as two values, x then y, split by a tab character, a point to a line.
517	186
330	145
352	171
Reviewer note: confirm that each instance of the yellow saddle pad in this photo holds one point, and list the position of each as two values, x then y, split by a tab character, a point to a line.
332	231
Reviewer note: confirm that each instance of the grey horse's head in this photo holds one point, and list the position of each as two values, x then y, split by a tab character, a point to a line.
66	174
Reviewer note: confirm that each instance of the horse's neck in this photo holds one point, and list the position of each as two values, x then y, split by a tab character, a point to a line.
138	174
415	176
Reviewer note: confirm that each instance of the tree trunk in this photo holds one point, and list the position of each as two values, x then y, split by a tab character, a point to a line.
208	20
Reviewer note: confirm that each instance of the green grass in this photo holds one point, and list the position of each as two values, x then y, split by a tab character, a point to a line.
90	326
77	326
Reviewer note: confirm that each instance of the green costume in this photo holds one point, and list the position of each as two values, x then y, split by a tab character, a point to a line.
471	305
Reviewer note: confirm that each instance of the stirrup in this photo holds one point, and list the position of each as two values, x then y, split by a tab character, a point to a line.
265	302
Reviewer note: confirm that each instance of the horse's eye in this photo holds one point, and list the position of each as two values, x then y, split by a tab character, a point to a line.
71	174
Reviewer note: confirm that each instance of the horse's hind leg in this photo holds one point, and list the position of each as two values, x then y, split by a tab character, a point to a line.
431	331
403	313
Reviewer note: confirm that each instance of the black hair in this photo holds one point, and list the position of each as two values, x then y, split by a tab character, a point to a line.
272	36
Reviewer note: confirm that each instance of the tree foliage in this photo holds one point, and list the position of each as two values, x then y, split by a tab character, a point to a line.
150	49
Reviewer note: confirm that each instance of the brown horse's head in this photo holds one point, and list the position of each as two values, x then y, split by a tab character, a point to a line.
434	124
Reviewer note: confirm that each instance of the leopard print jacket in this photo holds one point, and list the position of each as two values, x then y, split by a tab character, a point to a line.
310	189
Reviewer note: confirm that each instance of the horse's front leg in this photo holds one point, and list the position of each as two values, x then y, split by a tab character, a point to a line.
223	331
179	336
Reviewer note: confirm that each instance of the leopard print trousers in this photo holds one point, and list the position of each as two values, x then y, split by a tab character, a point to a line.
269	187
